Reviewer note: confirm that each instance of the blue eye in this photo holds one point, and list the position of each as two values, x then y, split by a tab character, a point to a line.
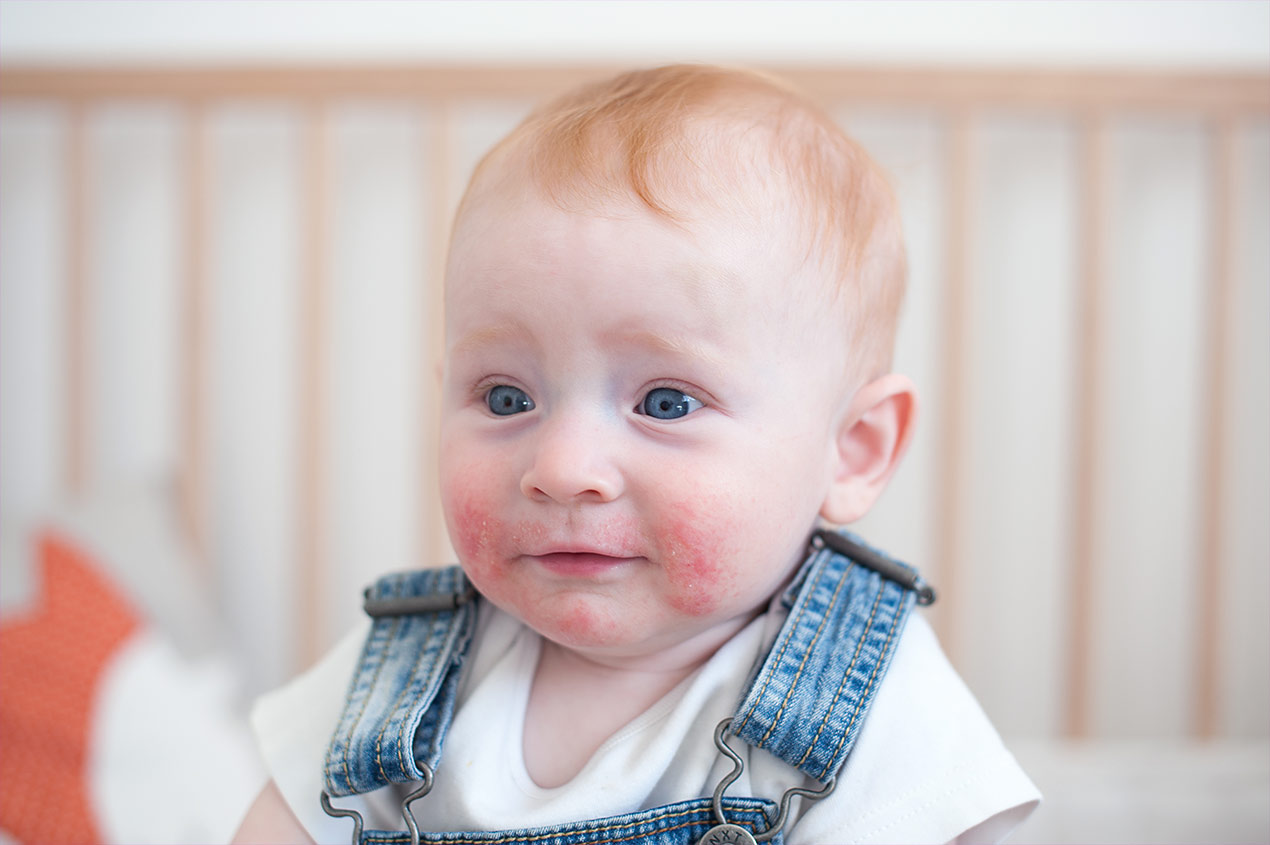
504	400
666	403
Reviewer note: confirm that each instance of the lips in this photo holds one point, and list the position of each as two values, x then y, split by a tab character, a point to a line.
581	564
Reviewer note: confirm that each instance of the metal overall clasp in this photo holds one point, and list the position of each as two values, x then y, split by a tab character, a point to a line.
407	814
870	559
724	833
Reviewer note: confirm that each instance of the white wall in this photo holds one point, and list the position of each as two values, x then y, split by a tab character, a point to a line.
1225	33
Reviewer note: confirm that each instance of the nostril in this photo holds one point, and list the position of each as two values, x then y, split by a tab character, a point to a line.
569	483
534	492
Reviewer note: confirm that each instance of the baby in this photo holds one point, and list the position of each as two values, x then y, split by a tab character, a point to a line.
671	300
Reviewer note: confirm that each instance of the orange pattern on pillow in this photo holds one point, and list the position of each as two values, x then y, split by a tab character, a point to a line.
51	663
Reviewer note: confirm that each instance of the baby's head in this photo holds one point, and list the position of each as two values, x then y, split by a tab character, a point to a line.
690	143
670	304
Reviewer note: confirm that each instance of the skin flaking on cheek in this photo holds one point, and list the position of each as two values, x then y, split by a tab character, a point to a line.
696	546
474	527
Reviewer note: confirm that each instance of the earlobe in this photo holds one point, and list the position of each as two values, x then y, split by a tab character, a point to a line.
870	439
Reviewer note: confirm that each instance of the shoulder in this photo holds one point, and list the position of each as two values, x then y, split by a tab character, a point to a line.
293	725
928	765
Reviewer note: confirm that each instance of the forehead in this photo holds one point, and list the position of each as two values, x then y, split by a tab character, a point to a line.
510	230
727	295
522	270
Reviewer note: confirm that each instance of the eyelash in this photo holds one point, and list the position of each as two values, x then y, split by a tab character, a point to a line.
482	390
689	394
485	389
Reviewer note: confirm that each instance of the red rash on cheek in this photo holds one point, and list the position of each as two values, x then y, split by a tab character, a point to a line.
696	549
474	529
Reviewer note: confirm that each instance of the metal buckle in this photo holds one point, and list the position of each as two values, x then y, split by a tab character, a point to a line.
409	605
407	815
724	832
872	560
337	813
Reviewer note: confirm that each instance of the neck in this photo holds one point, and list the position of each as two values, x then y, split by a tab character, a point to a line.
682	656
580	698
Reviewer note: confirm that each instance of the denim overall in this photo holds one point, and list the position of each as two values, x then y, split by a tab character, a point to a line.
805	704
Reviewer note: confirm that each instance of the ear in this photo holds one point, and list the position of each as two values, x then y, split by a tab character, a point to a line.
871	437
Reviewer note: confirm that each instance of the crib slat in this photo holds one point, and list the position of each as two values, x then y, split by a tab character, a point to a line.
78	404
1091	246
439	174
1224	176
194	482
310	572
949	488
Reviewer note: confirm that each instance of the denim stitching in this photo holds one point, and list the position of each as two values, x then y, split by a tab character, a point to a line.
859	647
702	811
806	655
767	678
348	747
379	738
886	647
434	678
414	674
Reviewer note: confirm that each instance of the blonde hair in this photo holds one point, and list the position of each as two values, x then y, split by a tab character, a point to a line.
683	136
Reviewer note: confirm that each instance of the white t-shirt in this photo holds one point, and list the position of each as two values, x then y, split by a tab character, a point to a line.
927	765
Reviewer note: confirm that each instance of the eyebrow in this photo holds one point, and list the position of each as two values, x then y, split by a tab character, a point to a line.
674	345
490	335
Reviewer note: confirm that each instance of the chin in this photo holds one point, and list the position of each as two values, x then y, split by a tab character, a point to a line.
581	631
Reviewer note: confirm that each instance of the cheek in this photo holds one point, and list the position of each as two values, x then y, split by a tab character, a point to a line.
698	545
471	512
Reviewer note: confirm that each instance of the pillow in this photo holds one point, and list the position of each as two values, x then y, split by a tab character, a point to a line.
120	718
134	537
54	657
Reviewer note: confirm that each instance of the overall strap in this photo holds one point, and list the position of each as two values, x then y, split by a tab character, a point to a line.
847	609
423	622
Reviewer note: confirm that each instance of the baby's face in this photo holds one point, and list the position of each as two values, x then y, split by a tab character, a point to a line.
637	426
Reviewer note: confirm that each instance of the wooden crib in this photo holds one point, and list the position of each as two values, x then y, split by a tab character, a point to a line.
227	278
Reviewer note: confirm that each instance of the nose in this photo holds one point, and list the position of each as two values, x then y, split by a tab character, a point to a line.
572	462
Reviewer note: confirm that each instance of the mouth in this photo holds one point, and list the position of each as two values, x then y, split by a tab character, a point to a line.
581	564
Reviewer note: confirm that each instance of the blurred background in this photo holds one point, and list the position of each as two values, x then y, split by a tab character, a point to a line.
221	232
